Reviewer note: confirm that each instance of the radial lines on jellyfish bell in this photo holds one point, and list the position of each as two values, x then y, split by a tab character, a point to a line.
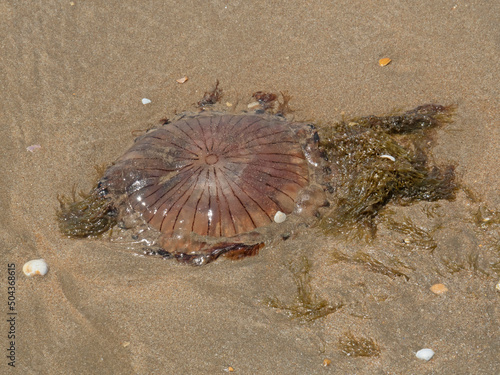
212	175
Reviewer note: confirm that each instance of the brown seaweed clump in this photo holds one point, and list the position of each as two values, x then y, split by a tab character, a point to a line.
307	306
376	160
354	346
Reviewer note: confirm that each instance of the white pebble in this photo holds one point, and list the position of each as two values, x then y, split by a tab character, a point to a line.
254	105
145	101
390	157
498	286
35	267
279	217
425	354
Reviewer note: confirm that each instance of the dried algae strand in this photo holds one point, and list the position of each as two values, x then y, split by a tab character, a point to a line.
471	262
368	262
307	305
90	217
486	218
211	97
358	346
415	236
365	181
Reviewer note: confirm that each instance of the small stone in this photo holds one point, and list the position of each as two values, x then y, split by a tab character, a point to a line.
498	286
425	354
254	105
145	101
279	217
326	362
182	80
438	289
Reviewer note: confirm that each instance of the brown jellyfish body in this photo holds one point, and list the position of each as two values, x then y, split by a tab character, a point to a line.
205	183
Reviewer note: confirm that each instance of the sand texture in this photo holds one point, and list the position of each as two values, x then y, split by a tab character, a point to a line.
72	76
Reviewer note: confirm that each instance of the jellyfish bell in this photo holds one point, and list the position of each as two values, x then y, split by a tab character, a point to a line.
205	183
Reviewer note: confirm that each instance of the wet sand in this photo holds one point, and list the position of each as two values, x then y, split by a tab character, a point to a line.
73	75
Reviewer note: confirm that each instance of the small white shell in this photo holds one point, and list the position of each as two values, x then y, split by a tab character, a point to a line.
145	101
254	105
35	267
386	156
425	354
279	217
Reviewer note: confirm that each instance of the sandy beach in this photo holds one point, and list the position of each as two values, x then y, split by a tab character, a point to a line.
73	75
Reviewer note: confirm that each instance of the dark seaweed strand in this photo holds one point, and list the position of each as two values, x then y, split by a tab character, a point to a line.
92	216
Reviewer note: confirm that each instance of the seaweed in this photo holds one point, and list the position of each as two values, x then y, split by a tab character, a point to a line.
369	262
378	160
431	211
267	102
422	117
414	235
358	346
265	99
307	306
485	218
89	217
211	97
283	106
470	263
496	268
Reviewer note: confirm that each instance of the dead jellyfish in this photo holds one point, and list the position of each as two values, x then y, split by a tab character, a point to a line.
212	184
205	184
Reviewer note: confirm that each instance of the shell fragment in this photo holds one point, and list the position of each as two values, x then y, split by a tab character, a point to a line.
425	354
279	217
35	267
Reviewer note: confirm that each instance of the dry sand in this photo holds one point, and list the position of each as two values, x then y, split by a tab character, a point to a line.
73	74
